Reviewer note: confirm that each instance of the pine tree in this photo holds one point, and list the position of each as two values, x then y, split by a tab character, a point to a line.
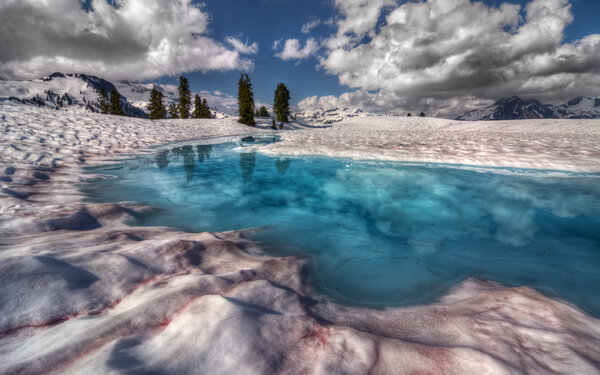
263	112
245	101
185	97
156	106
115	103
205	109
273	123
173	111
197	107
409	114
281	103
422	114
103	101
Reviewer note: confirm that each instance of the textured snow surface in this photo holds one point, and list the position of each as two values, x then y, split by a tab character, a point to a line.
571	145
83	293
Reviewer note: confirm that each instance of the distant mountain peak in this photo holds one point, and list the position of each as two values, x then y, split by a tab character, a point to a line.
515	108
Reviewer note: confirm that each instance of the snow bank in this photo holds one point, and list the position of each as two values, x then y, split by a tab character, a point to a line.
81	292
571	145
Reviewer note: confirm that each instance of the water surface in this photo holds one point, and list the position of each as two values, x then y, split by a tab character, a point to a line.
378	233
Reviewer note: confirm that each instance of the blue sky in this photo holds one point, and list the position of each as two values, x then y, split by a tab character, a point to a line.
387	56
264	22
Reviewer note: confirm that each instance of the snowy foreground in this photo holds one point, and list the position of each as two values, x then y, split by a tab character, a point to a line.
81	292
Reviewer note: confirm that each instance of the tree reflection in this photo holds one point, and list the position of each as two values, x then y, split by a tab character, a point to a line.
247	163
162	159
188	161
282	165
203	152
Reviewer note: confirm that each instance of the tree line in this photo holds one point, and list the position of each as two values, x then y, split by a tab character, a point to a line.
183	108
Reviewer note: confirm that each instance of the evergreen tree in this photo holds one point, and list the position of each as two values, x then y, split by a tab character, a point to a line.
103	101
205	109
115	103
273	123
185	97
256	114
409	114
281	103
173	111
245	101
156	106
422	114
197	107
263	112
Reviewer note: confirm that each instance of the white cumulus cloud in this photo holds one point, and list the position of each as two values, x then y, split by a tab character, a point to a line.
292	51
241	47
307	27
135	39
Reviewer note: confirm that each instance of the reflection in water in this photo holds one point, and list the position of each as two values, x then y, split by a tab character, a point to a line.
282	165
188	161
162	159
247	162
187	152
203	152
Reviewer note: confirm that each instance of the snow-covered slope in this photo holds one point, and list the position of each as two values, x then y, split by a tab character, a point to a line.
138	94
330	116
79	92
515	108
69	91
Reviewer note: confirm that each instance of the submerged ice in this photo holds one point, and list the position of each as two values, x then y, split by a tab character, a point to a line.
378	233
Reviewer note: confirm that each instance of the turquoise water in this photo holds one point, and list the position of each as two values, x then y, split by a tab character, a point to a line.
378	233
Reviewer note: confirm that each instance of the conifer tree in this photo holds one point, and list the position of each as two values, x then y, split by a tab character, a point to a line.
263	112
185	97
245	101
115	103
197	107
281	103
205	109
156	106
173	111
422	114
103	101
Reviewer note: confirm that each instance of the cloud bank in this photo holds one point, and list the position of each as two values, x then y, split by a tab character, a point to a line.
437	53
135	39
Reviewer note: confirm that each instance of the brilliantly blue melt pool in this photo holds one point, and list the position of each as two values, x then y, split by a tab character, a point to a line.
378	233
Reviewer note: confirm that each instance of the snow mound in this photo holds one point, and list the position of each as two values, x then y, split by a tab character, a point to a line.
329	116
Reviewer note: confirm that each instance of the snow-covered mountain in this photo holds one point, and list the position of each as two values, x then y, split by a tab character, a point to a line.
79	92
515	108
580	107
330	116
69	91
